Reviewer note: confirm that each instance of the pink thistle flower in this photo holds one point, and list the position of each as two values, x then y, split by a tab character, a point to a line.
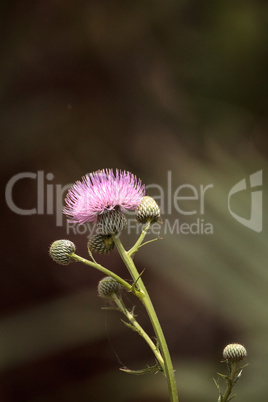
103	191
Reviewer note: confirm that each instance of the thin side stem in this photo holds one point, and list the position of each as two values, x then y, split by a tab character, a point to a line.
106	271
168	368
138	328
138	243
231	381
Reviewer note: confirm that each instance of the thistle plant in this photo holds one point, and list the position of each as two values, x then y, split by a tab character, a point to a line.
233	354
103	198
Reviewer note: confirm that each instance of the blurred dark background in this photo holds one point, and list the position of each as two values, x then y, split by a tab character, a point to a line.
151	87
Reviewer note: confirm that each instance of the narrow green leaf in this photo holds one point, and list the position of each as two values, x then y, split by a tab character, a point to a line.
224	376
130	326
231	398
149	369
217	385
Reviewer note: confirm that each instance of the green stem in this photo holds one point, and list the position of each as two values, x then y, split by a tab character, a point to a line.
168	368
138	243
138	328
106	271
231	381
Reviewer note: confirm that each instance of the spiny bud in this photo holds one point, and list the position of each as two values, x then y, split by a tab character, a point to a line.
234	352
60	251
101	244
107	286
147	210
111	222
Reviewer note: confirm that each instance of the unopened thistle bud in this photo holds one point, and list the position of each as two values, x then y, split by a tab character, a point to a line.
101	244
60	251
107	286
234	352
147	210
111	222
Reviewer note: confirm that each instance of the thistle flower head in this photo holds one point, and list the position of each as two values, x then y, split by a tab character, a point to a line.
100	244
60	251
107	286
234	352
111	222
147	210
103	191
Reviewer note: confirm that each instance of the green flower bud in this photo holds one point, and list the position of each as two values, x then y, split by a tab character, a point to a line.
101	244
147	210
234	352
107	286
60	251
111	222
